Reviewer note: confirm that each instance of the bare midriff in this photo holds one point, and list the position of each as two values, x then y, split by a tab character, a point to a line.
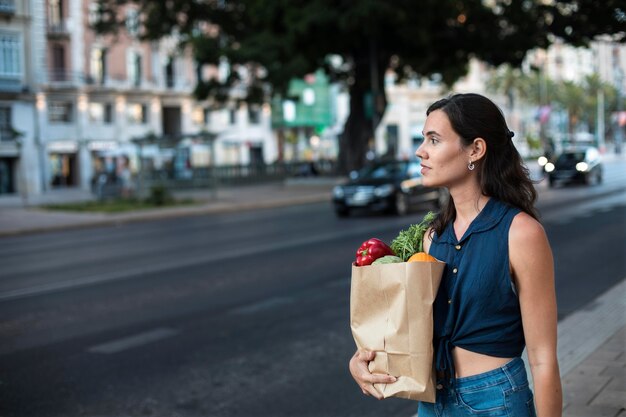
469	363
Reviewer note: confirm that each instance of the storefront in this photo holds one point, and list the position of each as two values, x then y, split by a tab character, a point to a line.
63	162
7	175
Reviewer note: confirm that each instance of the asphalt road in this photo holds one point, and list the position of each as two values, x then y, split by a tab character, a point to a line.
240	314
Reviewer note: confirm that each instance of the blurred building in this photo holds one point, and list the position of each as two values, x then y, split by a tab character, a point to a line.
308	121
72	101
563	62
19	144
400	132
604	58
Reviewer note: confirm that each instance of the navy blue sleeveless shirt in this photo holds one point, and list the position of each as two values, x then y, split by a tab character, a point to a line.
477	307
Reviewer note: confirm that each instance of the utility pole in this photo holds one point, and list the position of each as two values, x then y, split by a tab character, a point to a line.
374	90
619	80
600	120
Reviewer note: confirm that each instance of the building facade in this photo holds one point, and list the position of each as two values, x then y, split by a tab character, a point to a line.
19	140
72	102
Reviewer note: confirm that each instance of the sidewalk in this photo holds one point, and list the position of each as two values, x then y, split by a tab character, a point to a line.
592	357
18	218
592	341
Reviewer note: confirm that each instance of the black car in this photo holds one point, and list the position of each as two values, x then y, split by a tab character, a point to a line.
582	164
390	186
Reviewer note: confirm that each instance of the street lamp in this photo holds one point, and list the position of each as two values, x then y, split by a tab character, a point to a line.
619	78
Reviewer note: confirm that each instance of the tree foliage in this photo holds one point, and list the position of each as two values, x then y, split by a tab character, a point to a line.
357	41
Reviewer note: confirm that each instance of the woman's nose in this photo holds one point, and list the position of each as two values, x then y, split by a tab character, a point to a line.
419	153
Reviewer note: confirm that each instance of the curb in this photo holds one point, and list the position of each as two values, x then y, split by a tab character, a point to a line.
160	214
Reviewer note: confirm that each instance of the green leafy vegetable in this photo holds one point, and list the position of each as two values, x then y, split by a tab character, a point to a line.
410	241
388	259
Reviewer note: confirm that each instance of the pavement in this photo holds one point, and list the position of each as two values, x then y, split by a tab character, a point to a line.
592	341
19	216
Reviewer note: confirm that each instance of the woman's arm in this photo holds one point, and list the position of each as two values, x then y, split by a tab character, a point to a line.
533	271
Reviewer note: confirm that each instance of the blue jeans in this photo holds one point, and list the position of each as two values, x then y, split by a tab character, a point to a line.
502	392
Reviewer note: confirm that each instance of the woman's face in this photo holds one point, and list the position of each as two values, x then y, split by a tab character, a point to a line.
444	160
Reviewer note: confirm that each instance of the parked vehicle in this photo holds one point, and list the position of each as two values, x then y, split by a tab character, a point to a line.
390	186
578	164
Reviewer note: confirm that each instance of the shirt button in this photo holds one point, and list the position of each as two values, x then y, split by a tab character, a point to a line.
439	386
455	270
458	247
450	301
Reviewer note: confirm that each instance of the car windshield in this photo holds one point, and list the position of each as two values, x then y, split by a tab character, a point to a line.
388	170
570	157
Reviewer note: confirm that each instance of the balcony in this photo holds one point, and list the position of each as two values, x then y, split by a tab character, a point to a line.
57	29
65	78
11	85
7	7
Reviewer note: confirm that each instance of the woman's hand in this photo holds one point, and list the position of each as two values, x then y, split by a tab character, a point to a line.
362	375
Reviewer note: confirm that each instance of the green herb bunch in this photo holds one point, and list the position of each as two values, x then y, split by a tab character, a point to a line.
410	241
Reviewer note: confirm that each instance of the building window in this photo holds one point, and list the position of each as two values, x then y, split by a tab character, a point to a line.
7	6
233	116
254	115
93	16
108	113
55	13
58	72
101	113
132	22
6	129
169	72
137	113
98	65
10	55
134	68
60	112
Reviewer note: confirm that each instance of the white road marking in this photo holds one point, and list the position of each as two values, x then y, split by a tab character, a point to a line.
182	262
130	342
262	305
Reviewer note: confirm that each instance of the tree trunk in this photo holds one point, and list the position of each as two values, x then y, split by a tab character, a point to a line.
358	132
354	141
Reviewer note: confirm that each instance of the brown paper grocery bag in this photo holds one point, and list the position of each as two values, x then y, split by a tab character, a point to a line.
391	313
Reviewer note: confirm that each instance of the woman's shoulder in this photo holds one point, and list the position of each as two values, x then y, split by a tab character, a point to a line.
525	230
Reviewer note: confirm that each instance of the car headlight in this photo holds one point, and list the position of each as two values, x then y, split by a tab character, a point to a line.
338	191
383	190
549	167
542	161
582	166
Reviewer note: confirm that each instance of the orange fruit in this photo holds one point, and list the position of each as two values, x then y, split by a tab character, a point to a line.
422	257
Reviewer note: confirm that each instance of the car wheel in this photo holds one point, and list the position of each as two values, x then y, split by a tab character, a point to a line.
592	178
342	212
401	204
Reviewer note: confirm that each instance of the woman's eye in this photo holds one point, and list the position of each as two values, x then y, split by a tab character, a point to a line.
433	141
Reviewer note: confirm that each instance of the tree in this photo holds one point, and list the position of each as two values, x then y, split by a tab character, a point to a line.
357	41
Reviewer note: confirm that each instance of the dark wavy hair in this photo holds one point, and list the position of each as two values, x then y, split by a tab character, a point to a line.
501	172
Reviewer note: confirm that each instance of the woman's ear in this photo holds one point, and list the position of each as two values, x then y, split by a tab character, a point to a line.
478	148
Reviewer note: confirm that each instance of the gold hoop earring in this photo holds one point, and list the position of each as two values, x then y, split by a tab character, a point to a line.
471	166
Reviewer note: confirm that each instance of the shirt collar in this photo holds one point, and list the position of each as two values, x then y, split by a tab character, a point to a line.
489	217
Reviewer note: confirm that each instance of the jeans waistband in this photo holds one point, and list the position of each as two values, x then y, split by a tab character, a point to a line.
507	372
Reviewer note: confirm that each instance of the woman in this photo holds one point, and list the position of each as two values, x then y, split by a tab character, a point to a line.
497	294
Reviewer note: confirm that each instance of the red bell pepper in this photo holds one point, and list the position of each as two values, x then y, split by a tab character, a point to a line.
371	250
